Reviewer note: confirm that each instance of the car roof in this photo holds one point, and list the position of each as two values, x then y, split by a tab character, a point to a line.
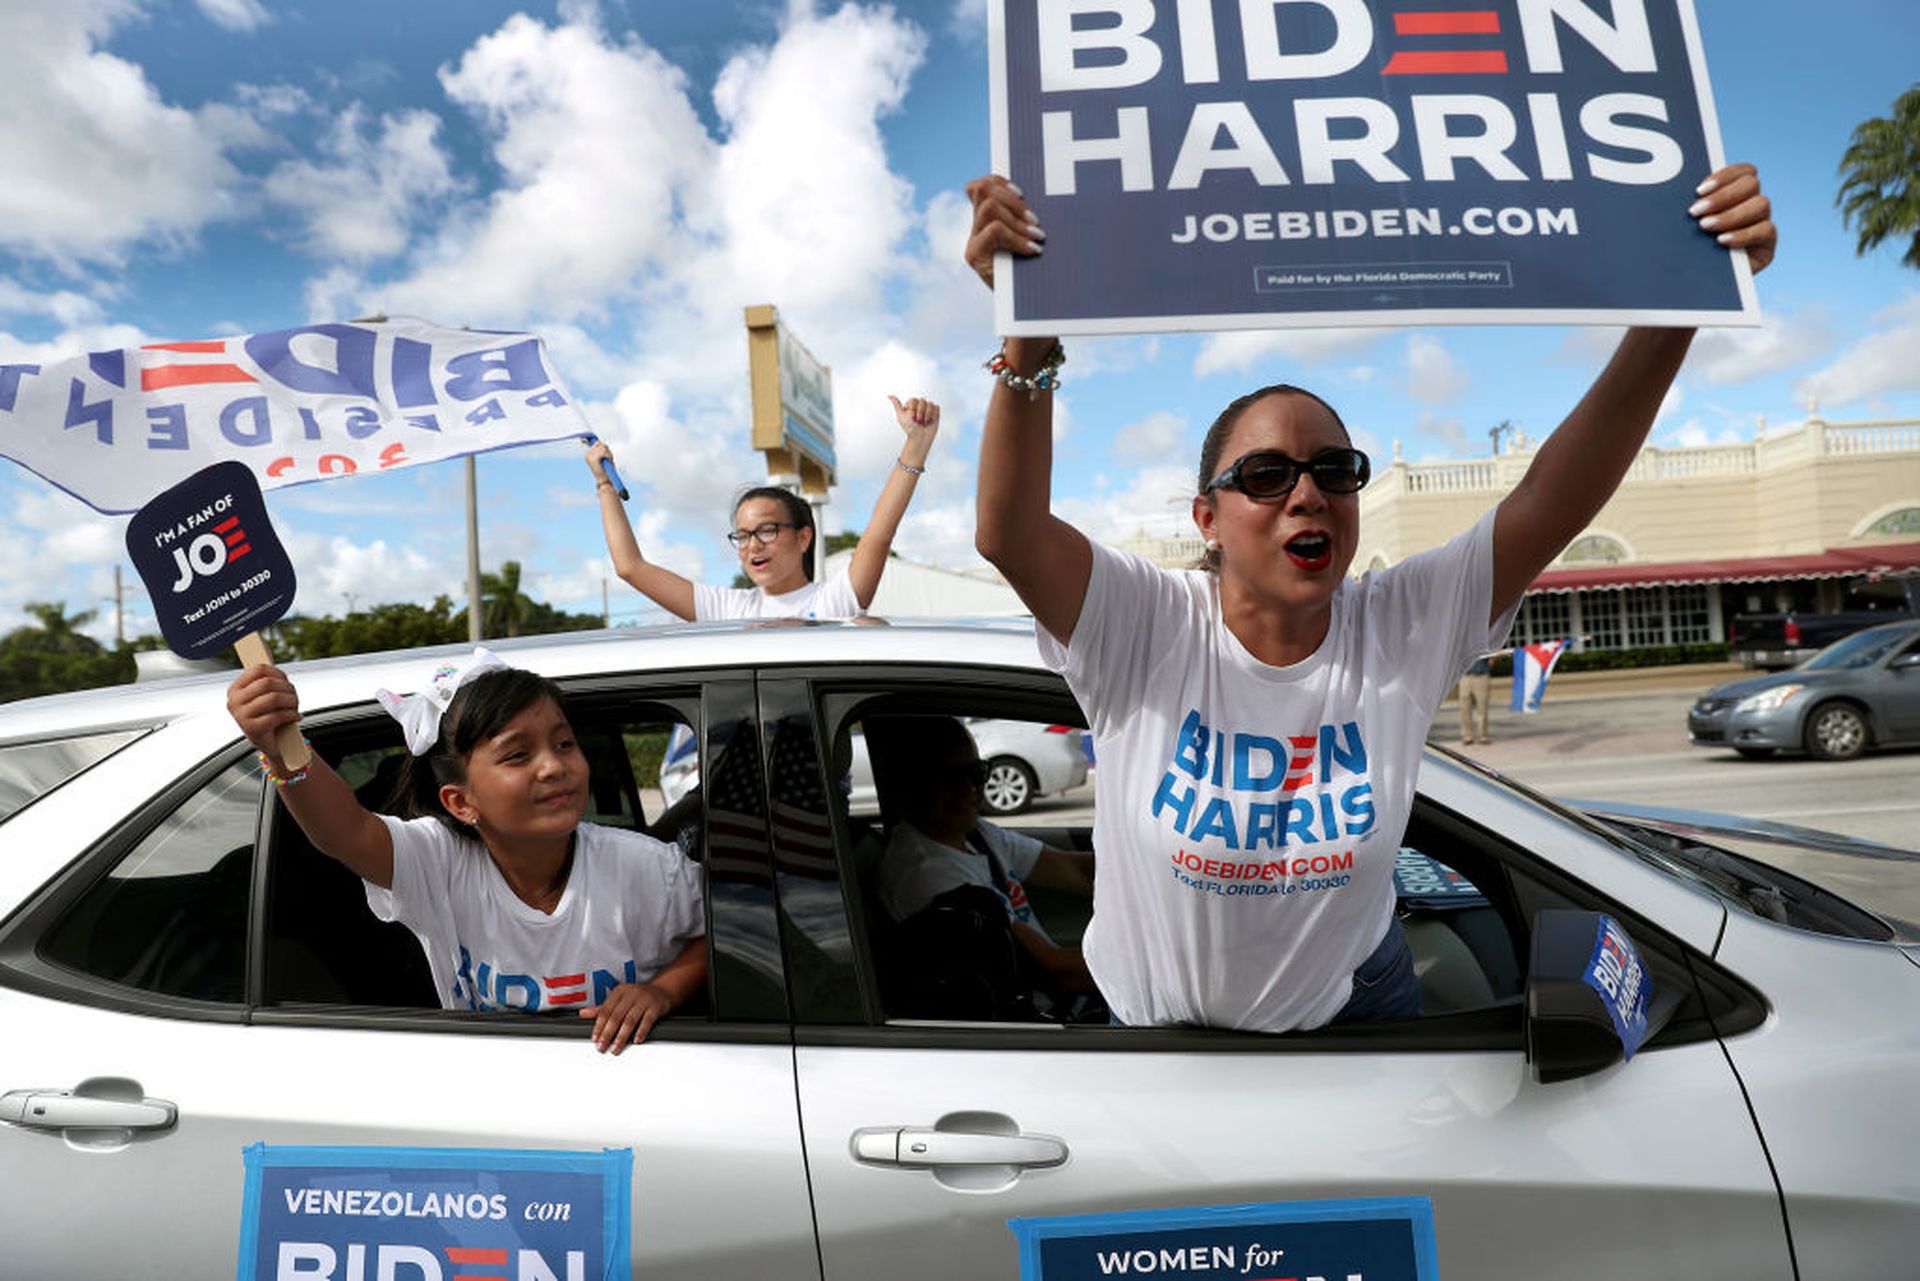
335	682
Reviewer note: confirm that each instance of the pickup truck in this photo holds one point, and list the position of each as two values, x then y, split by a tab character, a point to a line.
1774	641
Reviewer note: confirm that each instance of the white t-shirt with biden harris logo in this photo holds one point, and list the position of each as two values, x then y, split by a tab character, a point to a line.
631	905
830	597
1249	815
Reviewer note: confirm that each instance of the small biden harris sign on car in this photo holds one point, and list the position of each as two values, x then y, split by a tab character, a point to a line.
212	564
1375	1238
436	1214
1221	164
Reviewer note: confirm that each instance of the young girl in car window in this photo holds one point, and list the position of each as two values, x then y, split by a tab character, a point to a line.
517	903
773	535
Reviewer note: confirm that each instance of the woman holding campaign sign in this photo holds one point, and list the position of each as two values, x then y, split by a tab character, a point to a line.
1261	717
773	535
492	868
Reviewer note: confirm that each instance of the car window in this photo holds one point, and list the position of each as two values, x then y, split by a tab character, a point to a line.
171	915
325	946
1862	649
29	771
965	832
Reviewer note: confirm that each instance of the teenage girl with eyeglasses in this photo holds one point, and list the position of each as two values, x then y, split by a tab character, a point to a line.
1261	718
773	535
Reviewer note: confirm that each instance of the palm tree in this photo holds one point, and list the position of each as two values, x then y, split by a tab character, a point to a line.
1880	190
58	632
505	605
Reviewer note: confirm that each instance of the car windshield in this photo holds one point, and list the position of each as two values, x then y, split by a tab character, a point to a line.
29	771
1749	885
1862	649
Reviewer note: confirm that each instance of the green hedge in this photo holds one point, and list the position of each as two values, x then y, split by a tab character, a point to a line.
1600	660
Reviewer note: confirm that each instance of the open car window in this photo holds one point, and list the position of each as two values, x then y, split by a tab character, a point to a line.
324	946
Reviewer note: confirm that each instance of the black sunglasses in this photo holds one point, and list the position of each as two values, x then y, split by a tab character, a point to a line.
1268	473
972	774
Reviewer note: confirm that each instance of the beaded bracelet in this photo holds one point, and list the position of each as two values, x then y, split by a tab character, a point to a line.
283	780
1045	378
909	468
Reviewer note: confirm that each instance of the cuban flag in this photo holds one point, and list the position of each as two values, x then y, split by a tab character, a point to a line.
1532	665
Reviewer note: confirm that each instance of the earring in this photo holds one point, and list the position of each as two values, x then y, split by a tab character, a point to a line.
1212	546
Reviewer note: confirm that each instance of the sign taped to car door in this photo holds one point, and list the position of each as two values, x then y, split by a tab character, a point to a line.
1205	164
1378	1238
366	1212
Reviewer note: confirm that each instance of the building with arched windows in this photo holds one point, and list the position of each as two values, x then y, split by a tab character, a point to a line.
1818	516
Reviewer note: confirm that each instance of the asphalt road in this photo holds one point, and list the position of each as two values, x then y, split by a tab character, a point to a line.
1628	742
1622	737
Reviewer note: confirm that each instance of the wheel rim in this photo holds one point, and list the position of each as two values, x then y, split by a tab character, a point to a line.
1839	732
1006	788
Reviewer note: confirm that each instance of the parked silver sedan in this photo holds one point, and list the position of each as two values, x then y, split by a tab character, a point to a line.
1858	693
186	984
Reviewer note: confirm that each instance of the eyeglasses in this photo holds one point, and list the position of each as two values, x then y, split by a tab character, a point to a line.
971	774
762	534
1268	473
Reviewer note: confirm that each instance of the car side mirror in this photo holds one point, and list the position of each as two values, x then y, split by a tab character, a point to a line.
1590	1000
1905	662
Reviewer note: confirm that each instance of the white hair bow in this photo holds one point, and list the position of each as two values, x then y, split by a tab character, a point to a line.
419	714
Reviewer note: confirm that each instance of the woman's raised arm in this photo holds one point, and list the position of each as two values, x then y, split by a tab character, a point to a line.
657	583
1583	461
1047	561
920	420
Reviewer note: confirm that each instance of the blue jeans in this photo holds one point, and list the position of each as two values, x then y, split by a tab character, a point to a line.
1385	986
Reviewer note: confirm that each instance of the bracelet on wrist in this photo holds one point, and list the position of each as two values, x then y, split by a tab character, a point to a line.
909	468
1045	378
288	779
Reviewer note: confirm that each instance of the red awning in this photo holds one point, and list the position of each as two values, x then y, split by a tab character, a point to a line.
1837	562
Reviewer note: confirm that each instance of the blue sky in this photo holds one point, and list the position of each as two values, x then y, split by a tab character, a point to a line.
625	177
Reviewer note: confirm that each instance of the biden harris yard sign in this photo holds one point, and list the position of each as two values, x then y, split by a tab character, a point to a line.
1219	164
113	428
436	1214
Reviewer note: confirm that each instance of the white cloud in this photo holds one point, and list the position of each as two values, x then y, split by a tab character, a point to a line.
96	161
337	574
1450	432
74	551
1881	362
1240	350
1433	378
362	201
236	15
1150	439
1741	355
594	142
1157	499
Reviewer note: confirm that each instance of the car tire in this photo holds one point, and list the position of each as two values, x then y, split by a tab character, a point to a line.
1010	786
1836	732
1756	753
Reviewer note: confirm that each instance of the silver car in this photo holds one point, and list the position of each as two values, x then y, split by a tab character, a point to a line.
182	979
1858	693
1025	761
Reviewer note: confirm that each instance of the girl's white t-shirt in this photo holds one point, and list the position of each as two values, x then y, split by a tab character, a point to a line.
1249	815
631	905
831	597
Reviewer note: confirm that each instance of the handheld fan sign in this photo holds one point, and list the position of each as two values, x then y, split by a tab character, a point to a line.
216	571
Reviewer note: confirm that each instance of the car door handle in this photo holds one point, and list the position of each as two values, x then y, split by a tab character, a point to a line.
65	1110
919	1147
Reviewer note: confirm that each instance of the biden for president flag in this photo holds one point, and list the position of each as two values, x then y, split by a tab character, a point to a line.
113	428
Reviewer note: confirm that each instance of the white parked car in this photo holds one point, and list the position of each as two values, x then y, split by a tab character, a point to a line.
183	978
1024	760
